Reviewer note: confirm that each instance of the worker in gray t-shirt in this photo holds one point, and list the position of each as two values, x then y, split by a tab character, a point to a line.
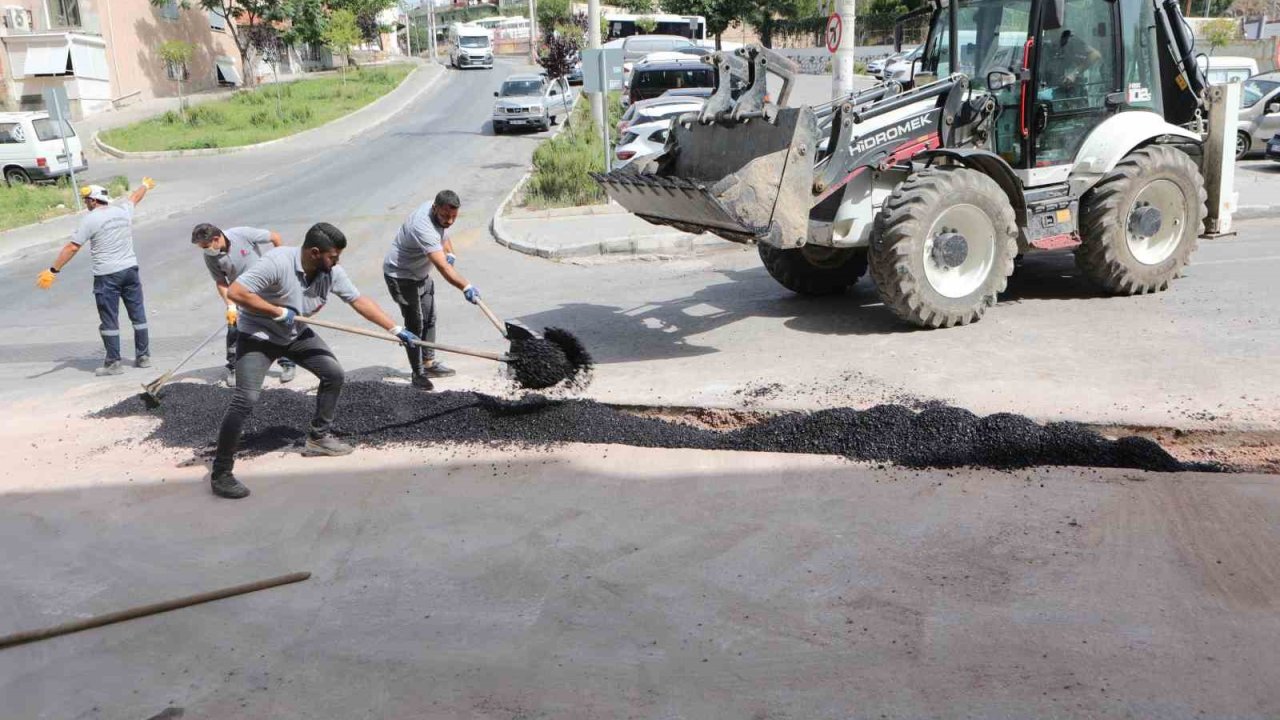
108	231
286	284
227	255
420	245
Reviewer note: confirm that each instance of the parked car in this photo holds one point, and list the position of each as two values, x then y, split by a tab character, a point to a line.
664	107
641	141
529	100
876	67
637	46
1224	69
575	75
901	69
1273	147
470	46
31	148
1259	112
654	79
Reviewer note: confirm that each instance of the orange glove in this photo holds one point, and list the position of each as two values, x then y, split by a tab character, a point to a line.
232	313
151	184
45	279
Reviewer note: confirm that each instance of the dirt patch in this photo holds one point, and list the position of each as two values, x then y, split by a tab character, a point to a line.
1239	450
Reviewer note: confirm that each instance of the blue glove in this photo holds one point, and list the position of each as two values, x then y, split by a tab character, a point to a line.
405	336
471	293
286	318
450	258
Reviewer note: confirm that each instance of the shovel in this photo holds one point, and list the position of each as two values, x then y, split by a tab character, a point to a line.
384	335
151	391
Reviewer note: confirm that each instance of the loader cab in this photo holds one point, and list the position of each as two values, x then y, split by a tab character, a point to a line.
1057	69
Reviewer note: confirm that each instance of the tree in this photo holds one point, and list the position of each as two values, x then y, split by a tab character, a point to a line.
240	15
636	6
560	51
720	14
646	25
176	54
366	13
1220	32
266	41
342	34
552	13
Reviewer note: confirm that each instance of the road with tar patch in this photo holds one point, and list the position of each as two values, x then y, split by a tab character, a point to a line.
605	581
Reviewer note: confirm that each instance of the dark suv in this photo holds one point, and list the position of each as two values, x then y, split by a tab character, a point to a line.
650	81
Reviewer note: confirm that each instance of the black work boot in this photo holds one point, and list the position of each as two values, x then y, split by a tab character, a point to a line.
225	485
422	382
326	445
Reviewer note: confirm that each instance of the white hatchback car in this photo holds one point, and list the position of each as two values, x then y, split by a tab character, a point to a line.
31	148
641	141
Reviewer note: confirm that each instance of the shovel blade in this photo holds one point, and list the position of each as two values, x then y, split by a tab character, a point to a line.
517	331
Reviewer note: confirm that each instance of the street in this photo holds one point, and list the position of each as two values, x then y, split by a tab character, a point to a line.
612	581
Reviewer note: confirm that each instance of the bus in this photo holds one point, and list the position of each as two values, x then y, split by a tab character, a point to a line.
693	27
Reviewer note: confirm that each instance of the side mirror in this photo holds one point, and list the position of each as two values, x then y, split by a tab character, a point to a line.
495	93
998	80
1273	108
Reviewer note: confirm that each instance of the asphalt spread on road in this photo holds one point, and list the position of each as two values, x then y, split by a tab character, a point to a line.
379	413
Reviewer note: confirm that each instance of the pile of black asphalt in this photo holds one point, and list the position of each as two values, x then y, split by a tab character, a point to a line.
379	413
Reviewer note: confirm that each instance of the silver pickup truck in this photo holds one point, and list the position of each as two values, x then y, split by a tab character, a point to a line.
530	101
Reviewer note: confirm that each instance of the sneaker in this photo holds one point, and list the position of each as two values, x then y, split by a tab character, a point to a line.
326	445
422	382
439	370
111	368
230	379
227	486
143	361
287	373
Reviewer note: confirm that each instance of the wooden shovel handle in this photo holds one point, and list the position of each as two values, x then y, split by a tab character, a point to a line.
388	336
502	327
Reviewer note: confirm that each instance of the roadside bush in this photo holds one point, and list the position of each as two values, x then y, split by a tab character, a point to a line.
561	164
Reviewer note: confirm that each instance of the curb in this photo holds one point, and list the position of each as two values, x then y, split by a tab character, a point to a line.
579	211
210	152
1256	212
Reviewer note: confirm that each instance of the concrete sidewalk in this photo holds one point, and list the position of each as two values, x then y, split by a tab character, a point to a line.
185	183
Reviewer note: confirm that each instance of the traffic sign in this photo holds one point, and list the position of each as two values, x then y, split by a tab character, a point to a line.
602	70
835	29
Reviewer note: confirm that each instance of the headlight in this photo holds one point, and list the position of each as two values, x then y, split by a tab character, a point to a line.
536	109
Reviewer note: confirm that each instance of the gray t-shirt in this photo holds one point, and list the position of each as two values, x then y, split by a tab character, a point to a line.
244	246
419	236
109	233
278	278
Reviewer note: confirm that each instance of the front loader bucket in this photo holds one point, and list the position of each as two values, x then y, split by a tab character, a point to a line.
745	182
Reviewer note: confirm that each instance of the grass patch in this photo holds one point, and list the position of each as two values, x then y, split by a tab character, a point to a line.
25	204
250	116
561	164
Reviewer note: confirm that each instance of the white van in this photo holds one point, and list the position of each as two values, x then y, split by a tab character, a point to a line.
1223	70
470	46
31	148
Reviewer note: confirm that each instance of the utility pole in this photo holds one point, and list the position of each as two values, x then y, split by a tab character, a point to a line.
431	31
533	32
599	101
408	31
845	52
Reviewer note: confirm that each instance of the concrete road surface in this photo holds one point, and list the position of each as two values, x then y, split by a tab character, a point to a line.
615	582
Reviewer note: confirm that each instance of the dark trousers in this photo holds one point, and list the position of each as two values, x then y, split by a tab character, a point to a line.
233	335
417	301
108	291
253	358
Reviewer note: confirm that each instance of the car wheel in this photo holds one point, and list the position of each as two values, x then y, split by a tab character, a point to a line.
499	128
1243	145
16	176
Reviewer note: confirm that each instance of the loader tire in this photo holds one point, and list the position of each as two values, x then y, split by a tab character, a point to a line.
1140	224
814	269
944	247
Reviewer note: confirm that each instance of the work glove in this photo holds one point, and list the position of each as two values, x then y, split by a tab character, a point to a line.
287	316
232	313
450	258
406	337
149	183
471	293
45	279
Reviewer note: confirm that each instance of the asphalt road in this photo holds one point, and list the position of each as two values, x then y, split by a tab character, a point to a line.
592	581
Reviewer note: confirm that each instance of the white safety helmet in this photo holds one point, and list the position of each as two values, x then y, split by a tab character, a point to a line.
95	192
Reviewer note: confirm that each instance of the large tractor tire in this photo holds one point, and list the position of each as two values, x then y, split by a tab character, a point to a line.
1139	224
814	269
944	247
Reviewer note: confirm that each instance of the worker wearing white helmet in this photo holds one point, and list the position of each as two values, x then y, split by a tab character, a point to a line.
108	230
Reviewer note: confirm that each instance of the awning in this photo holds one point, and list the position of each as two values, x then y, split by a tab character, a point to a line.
46	60
227	72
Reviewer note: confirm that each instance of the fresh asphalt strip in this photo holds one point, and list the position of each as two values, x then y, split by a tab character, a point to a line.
377	413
